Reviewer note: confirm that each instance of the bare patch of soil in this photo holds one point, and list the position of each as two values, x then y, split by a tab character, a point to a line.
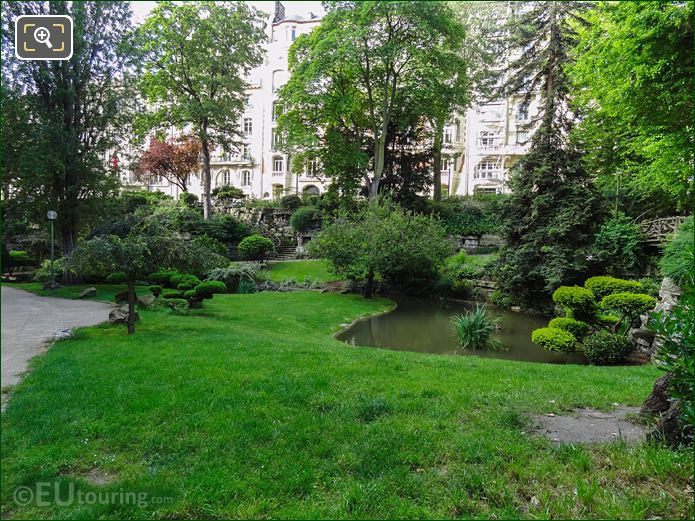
591	426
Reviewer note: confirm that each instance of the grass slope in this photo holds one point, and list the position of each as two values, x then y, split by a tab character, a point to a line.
105	292
252	409
316	269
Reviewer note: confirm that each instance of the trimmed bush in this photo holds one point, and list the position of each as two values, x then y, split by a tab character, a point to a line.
604	286
155	289
179	305
162	277
604	348
209	288
553	339
255	247
579	303
608	320
290	202
117	277
630	305
302	219
172	294
184	282
578	328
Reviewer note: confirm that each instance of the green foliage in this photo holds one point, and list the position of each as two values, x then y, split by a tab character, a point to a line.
605	348
579	303
290	202
155	289
474	329
603	286
117	277
629	305
608	320
650	286
172	294
678	261
641	130
471	215
188	199
246	287
234	274
209	288
618	247
162	277
211	244
255	247
501	300
43	272
676	329
228	194
177	305
184	282
554	339
303	219
578	328
404	248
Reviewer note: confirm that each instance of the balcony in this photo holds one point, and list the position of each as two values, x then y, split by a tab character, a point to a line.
232	160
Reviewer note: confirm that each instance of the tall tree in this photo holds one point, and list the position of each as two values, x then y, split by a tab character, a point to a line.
633	79
173	159
66	117
197	56
553	209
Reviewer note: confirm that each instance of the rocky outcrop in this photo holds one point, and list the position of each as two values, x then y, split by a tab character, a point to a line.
644	339
120	316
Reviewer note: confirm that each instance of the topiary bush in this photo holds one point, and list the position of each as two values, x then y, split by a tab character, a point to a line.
255	247
184	282
155	289
578	328
553	339
603	286
117	277
162	277
579	303
172	293
290	202
302	219
178	305
629	305
605	348
209	288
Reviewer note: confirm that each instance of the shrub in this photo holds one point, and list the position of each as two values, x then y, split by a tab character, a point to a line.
650	286
222	227
212	244
209	288
290	202
155	289
461	288
501	300
184	281
227	194
578	303
604	286
474	329
234	274
162	277
43	272
255	247
117	277
605	348
553	339
172	294
618	247
608	320
178	305
679	256
189	294
578	328
302	219
246	287
188	199
630	305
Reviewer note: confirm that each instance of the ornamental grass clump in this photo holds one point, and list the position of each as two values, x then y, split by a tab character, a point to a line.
474	329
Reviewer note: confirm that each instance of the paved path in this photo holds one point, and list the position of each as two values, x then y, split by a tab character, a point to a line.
28	321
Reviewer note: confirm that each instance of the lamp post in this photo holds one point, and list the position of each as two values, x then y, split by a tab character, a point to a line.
52	217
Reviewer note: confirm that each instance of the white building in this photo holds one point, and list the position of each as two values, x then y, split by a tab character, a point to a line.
479	147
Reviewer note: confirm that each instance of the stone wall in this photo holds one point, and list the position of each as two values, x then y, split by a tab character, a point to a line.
643	338
470	243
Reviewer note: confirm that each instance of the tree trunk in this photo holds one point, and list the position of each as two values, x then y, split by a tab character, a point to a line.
131	306
205	145
379	156
369	286
437	163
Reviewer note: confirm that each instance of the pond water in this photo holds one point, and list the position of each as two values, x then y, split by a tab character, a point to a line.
424	325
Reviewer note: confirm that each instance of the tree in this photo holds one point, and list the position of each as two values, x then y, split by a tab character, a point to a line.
553	210
633	79
347	77
197	56
382	239
63	117
174	160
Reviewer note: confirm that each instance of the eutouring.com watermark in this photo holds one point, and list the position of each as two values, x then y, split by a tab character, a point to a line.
47	494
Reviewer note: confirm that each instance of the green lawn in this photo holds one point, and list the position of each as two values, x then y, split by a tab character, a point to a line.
316	269
251	409
105	292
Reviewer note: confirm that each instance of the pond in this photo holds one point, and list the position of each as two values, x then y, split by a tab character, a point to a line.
424	325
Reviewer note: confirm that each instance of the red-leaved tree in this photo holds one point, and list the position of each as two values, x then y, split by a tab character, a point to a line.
172	159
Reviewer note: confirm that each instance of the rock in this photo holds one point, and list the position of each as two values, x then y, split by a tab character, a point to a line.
89	292
120	316
121	296
62	334
146	301
516	309
671	429
658	401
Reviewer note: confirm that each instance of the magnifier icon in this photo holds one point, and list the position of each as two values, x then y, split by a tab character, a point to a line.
42	35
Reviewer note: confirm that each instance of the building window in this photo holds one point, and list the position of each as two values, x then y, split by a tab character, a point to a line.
278	166
312	168
448	135
522	112
485	190
446	165
226	178
276	139
292	33
246	151
486	170
277	111
245	178
521	137
487	138
248	127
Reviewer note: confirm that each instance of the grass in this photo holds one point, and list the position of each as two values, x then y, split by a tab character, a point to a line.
105	292
474	329
315	269
251	409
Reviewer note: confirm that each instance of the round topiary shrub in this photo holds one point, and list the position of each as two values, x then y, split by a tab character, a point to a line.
184	282
304	217
631	305
171	293
290	202
604	348
178	305
608	320
117	277
578	328
579	303
162	277
255	247
603	286
553	339
155	289
209	288
188	199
